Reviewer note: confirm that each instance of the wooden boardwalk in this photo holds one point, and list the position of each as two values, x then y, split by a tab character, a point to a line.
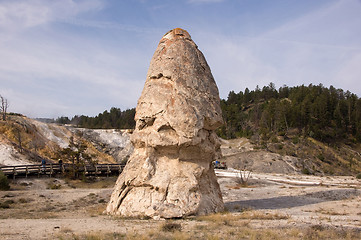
54	169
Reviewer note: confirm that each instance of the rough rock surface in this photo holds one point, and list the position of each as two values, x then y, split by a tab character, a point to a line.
170	173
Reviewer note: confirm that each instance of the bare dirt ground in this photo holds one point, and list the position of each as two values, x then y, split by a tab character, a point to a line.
269	206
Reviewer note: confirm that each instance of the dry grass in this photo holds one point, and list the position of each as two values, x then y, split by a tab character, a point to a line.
209	232
67	234
96	183
97	210
227	218
171	226
329	212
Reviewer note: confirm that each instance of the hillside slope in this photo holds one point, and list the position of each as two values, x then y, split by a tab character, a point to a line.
287	156
27	141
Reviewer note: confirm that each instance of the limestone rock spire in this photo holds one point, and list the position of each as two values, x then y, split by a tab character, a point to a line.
170	172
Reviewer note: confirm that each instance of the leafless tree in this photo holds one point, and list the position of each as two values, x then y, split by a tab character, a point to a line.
4	107
243	177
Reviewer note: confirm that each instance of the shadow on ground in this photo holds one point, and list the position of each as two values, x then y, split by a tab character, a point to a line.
293	201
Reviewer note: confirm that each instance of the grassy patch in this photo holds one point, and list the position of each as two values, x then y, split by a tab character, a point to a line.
329	212
171	226
227	218
4	182
97	183
209	232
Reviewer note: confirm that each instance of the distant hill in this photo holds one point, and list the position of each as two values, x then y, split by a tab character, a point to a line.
326	114
320	126
27	141
114	119
304	129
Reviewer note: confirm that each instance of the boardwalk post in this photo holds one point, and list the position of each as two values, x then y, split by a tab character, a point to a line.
14	173
108	171
51	169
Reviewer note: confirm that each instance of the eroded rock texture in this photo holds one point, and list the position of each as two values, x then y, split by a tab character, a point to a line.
170	172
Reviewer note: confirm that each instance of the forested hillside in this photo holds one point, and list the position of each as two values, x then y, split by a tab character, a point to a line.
319	126
114	119
325	114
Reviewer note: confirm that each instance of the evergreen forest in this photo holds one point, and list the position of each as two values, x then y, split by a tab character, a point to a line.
113	119
325	114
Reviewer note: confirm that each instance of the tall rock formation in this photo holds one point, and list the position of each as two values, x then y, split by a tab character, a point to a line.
170	173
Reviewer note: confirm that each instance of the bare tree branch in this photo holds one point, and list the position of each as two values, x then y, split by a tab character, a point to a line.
4	107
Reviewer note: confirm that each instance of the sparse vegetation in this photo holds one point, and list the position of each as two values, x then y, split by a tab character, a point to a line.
6	203
96	183
243	177
4	182
208	232
242	223
228	218
171	226
329	212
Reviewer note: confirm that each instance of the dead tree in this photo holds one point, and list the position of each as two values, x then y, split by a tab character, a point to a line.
4	107
243	176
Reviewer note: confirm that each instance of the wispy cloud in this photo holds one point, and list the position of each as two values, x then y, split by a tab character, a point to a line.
110	25
314	48
65	57
26	14
85	79
44	70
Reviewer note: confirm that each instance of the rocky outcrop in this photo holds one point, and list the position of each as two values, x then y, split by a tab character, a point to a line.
170	174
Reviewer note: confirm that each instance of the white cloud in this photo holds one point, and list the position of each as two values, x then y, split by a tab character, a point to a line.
16	16
46	72
81	78
315	48
52	69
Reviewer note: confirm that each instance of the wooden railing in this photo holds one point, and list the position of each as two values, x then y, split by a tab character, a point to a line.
53	169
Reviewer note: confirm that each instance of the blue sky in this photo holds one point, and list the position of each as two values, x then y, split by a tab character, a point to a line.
68	57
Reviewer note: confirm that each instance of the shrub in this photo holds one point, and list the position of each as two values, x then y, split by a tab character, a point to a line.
4	205
295	140
4	182
171	227
358	176
306	171
321	157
